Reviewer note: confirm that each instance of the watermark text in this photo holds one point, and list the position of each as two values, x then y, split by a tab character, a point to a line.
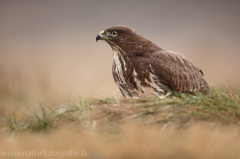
44	152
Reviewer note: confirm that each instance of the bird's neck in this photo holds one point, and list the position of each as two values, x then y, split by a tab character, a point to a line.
141	48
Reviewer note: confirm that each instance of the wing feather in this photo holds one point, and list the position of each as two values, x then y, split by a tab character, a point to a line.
178	72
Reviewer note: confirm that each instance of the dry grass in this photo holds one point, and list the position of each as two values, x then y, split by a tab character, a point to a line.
177	127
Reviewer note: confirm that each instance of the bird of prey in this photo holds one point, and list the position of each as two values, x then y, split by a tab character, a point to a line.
141	67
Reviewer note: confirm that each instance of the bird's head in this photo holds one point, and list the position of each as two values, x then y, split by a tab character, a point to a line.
123	38
116	34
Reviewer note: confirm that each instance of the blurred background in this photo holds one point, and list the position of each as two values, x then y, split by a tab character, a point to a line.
48	51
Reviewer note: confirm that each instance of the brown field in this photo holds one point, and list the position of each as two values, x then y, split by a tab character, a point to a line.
197	141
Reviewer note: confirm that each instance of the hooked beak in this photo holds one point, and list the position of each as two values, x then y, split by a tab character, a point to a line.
100	36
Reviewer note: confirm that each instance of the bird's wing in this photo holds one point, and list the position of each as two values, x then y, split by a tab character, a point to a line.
178	72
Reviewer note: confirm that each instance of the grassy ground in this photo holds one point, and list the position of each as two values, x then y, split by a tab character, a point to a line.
183	126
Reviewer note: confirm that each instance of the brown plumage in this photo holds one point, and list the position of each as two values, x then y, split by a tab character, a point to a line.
140	66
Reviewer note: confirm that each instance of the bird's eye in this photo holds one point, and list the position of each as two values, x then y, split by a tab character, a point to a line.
114	33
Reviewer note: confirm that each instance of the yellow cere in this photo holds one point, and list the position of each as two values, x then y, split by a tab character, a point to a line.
101	33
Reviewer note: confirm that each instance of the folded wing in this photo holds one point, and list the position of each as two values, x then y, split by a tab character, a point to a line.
178	72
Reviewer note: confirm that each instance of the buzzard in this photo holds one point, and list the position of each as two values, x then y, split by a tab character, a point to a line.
141	67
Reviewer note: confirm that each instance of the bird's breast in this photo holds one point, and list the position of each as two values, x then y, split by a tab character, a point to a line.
119	67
